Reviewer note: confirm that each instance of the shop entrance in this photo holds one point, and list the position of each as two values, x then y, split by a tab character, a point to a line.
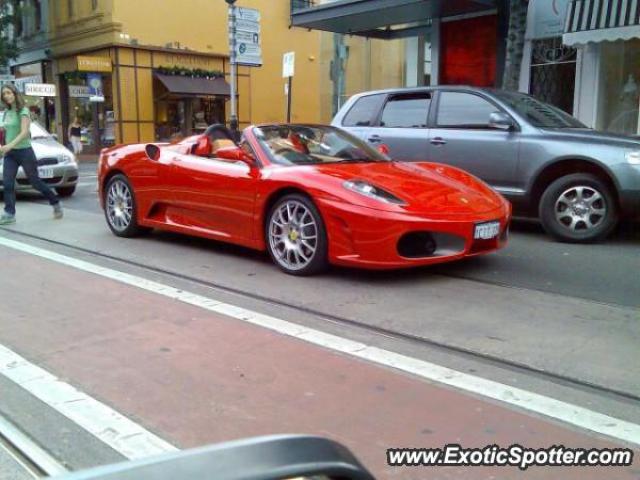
94	113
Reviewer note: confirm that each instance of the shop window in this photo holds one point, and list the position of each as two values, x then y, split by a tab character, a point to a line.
553	73
97	119
180	117
37	15
619	95
408	111
363	112
464	110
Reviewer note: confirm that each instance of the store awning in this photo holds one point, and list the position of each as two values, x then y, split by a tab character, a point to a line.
385	19
601	21
189	86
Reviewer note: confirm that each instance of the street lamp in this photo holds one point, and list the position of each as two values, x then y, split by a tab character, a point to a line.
233	123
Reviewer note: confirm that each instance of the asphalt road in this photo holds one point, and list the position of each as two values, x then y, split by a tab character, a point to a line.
566	313
607	272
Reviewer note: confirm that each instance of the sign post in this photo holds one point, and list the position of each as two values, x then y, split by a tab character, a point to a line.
244	48
232	52
288	64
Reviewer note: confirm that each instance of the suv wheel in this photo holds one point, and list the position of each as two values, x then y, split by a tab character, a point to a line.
578	208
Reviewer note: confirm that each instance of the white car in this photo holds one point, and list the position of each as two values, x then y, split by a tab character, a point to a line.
57	166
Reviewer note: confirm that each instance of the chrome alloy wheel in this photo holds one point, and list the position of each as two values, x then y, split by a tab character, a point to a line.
580	208
293	235
119	205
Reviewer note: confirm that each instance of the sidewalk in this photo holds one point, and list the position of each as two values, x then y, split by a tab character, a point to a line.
87	158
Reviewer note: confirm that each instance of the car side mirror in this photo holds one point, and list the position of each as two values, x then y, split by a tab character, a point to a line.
153	152
383	149
500	121
235	154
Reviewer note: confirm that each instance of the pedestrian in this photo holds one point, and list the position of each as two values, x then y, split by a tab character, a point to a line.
17	152
75	133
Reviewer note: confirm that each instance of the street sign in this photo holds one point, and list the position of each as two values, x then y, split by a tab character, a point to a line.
288	62
40	89
247	37
250	14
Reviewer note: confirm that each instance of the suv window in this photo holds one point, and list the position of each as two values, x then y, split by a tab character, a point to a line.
409	111
464	110
363	111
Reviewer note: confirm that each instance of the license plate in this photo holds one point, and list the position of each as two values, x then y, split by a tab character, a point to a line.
45	172
486	231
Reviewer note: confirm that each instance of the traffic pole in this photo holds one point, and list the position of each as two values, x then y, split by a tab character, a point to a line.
289	101
233	123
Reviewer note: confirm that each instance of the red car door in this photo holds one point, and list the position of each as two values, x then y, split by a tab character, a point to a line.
213	196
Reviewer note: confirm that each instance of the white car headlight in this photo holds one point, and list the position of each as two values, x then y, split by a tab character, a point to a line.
368	190
633	157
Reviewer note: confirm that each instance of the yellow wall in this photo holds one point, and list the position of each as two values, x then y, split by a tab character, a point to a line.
202	26
84	29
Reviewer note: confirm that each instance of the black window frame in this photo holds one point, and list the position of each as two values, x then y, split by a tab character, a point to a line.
433	118
393	96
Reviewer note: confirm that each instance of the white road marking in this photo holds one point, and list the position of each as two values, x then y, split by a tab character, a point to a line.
533	402
114	429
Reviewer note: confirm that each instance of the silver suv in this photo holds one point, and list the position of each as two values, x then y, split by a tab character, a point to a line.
579	181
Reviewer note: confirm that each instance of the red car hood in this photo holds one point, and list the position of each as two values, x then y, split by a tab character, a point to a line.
424	187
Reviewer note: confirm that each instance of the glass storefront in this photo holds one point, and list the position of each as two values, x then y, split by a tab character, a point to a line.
181	117
96	118
619	87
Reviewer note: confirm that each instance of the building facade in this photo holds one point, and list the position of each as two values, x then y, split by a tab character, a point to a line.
392	43
606	36
145	70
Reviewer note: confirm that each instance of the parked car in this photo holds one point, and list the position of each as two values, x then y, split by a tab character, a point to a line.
308	194
56	164
577	180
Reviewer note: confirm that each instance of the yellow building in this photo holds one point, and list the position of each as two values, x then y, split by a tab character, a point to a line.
140	57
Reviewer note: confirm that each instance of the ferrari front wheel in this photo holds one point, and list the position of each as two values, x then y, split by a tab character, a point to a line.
296	236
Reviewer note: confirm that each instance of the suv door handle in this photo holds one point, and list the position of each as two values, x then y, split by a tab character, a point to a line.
375	139
438	141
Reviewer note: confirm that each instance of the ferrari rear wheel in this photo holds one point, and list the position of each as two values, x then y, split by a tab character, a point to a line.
296	237
120	208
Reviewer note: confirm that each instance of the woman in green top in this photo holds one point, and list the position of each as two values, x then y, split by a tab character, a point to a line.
18	153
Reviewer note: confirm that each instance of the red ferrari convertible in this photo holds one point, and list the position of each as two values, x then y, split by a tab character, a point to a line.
310	195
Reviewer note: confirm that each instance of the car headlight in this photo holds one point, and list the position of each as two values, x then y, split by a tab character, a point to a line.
371	191
64	158
633	157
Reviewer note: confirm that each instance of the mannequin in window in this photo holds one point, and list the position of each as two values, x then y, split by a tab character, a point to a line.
625	118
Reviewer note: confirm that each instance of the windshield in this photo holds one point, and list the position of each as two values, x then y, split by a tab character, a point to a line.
38	131
539	114
310	145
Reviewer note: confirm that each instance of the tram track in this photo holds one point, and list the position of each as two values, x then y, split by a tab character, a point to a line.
416	340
